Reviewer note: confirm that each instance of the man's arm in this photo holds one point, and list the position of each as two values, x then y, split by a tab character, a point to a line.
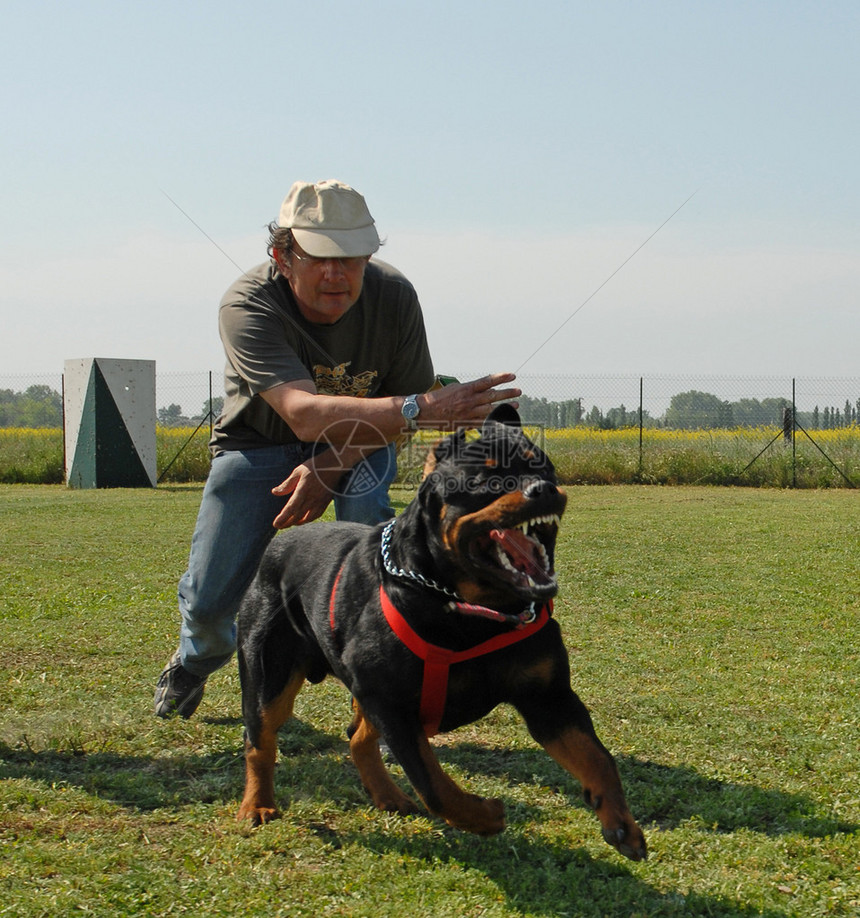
313	417
354	426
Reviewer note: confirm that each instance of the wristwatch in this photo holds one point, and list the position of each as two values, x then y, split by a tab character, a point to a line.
410	410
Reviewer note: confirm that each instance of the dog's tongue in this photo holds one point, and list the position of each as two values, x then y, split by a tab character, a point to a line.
520	549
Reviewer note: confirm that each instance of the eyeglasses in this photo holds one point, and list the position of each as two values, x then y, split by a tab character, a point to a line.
315	261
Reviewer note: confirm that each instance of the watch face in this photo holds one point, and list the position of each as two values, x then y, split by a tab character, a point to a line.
410	409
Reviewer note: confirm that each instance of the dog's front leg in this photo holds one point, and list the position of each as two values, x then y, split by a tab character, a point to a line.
591	764
446	798
562	725
440	793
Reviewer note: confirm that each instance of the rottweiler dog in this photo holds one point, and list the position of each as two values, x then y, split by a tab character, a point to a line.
431	621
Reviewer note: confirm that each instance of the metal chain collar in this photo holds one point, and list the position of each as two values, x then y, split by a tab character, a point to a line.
524	618
395	571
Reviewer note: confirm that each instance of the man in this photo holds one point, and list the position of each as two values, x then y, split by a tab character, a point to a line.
327	365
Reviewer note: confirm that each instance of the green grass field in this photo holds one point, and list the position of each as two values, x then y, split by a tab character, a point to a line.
713	633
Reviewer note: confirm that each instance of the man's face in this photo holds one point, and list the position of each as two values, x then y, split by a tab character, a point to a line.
324	288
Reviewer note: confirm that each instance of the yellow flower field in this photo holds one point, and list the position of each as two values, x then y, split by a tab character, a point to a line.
741	456
582	455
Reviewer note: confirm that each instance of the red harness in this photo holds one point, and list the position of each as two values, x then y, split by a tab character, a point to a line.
438	660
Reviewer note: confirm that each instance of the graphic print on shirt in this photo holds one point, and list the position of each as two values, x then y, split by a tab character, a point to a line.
337	381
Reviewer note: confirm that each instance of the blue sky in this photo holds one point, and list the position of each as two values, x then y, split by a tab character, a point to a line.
514	155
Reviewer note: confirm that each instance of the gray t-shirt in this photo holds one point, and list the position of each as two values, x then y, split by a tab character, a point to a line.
378	348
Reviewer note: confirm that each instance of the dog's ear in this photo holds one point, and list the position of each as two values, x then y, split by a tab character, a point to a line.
431	495
444	450
505	413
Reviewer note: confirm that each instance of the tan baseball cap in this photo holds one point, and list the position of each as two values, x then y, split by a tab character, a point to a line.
329	219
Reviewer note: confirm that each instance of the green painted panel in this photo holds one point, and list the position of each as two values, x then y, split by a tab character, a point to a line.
105	456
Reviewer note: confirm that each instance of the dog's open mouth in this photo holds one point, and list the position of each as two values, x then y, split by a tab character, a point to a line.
521	555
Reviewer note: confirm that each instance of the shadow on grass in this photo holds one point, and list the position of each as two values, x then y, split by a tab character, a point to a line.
307	756
546	879
537	876
663	796
660	796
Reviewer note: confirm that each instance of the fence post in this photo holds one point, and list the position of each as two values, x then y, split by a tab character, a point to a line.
793	432
65	448
641	422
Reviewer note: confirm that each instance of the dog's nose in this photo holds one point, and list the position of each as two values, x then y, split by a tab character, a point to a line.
540	488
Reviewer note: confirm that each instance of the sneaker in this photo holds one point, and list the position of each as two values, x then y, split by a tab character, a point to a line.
178	691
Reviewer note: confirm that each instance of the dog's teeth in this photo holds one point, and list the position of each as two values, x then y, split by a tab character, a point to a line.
550	518
504	561
543	556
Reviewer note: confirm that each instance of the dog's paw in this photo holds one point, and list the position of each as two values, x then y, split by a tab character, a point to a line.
400	804
495	822
619	828
257	815
480	815
627	840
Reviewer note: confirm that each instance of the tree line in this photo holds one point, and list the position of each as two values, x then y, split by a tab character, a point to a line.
41	406
691	410
37	406
172	416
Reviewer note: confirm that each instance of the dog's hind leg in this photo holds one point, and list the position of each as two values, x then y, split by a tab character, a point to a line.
261	749
364	749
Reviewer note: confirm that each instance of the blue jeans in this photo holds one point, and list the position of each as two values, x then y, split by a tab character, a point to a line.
234	526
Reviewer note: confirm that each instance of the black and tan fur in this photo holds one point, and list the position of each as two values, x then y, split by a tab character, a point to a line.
483	526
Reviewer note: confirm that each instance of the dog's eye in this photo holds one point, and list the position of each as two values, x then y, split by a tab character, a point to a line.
477	484
482	485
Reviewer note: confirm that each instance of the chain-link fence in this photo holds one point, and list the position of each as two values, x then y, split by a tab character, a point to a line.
35	399
759	431
753	430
